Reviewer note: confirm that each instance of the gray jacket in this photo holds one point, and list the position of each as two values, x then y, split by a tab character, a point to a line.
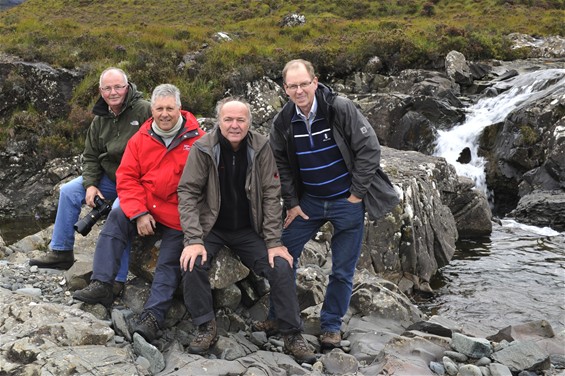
357	142
199	192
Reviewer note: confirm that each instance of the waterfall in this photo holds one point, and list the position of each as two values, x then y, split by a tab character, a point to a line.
518	91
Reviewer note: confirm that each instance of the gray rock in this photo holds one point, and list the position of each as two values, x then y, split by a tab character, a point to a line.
149	352
472	347
336	362
469	370
497	369
524	355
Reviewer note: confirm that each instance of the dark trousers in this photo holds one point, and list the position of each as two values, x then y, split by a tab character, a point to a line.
117	231
252	252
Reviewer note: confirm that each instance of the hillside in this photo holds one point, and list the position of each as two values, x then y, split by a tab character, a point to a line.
158	41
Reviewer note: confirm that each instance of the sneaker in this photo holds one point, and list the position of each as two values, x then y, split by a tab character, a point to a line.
146	326
296	345
54	260
118	288
270	327
96	292
206	336
330	340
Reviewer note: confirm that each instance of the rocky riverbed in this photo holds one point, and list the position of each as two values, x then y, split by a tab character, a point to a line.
44	331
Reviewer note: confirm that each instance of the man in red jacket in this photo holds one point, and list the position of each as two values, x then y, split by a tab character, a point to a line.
147	181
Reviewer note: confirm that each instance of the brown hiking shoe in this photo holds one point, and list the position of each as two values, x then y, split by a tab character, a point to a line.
96	292
54	260
270	327
206	336
296	345
330	340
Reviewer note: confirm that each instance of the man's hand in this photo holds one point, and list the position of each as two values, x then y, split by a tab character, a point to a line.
145	225
293	213
92	192
189	255
280	251
354	199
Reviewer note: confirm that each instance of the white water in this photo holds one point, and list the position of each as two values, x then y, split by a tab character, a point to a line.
524	88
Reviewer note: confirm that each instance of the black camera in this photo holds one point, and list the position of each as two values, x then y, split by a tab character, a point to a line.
84	225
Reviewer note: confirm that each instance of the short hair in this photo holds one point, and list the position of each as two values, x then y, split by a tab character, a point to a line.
166	90
296	62
222	102
117	70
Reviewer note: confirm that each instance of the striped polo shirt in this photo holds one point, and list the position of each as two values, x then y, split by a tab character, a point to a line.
322	168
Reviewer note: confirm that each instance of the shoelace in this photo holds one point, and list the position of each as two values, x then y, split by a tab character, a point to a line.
296	339
150	320
94	285
203	333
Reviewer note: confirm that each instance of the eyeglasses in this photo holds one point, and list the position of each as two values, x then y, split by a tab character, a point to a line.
295	87
117	88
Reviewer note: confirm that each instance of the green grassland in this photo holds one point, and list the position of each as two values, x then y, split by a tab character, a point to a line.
148	38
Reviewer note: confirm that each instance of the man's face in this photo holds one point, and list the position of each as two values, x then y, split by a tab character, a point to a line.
300	87
234	122
114	89
165	112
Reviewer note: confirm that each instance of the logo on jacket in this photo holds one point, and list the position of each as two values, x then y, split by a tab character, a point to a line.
135	123
186	147
326	138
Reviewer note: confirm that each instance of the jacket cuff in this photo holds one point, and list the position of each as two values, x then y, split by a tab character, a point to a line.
134	218
193	241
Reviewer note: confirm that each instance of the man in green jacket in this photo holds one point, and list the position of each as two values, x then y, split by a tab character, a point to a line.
229	194
119	112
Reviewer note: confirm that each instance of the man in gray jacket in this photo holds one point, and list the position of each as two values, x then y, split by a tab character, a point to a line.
229	194
328	156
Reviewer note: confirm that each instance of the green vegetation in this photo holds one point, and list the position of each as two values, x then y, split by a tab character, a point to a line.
529	135
149	38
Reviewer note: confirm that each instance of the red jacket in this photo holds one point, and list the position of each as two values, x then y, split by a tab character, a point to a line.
149	172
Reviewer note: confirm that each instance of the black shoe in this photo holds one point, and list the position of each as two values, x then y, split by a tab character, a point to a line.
96	292
146	326
118	288
55	260
206	336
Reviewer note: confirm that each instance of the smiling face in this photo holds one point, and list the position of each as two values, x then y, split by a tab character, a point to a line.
166	112
234	122
114	90
301	87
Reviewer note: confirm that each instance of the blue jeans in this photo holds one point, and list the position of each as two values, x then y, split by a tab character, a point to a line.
71	199
348	223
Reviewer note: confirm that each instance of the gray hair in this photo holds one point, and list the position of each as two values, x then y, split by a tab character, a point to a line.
297	62
166	90
222	102
113	69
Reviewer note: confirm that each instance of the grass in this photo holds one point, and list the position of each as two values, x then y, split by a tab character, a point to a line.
150	38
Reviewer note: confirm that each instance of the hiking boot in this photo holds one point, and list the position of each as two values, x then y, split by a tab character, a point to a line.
118	288
330	340
96	292
296	345
146	327
270	327
206	336
54	260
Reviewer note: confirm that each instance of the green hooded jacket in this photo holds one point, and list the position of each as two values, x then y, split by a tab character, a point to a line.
108	135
